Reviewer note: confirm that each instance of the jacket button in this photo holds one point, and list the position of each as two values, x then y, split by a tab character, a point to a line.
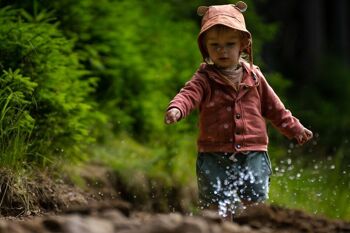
238	116
238	146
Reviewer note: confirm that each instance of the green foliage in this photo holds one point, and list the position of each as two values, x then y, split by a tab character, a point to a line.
16	123
60	107
135	53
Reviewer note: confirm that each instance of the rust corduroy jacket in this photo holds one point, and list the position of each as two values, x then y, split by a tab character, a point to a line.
232	121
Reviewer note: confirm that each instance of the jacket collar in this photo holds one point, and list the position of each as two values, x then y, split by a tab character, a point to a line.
249	79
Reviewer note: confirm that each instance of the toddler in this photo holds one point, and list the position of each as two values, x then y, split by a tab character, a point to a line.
234	99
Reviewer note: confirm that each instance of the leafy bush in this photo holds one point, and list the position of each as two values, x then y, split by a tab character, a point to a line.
16	124
134	53
60	107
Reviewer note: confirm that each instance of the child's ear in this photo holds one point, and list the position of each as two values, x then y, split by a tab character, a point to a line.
241	6
202	10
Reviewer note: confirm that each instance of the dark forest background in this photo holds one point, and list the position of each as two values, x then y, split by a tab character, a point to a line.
88	80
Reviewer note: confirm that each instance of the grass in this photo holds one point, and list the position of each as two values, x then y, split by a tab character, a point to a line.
157	172
318	187
15	122
126	155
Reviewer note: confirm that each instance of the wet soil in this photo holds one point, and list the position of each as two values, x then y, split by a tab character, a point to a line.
101	208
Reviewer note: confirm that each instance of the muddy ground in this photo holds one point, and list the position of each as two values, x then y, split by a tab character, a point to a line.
104	209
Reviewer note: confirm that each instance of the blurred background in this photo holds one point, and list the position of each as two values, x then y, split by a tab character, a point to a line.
89	81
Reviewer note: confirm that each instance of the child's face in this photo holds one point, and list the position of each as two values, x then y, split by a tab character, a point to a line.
223	46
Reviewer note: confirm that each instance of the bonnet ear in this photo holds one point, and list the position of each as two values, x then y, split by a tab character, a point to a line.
241	6
202	10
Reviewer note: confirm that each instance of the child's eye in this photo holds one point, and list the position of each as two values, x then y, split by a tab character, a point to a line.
231	44
214	44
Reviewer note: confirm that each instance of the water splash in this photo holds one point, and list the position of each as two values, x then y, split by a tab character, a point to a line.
229	191
231	201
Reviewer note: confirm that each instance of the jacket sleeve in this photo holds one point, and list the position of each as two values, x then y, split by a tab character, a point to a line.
274	110
190	95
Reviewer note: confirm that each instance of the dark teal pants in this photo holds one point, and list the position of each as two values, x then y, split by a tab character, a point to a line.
230	178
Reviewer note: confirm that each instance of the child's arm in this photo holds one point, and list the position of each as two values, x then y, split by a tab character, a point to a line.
187	99
274	110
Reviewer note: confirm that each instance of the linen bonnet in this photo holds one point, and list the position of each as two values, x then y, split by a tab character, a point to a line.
229	15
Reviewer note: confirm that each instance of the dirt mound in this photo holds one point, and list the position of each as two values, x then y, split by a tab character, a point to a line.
118	216
105	207
278	219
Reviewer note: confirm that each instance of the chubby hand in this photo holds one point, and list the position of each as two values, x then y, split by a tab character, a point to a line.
172	115
305	136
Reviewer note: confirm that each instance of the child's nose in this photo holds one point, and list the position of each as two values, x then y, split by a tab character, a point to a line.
221	49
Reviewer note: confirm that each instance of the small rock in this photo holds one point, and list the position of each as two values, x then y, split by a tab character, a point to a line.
77	224
211	216
194	225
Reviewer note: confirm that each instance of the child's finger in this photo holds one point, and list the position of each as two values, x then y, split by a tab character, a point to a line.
310	134
170	117
167	121
173	117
